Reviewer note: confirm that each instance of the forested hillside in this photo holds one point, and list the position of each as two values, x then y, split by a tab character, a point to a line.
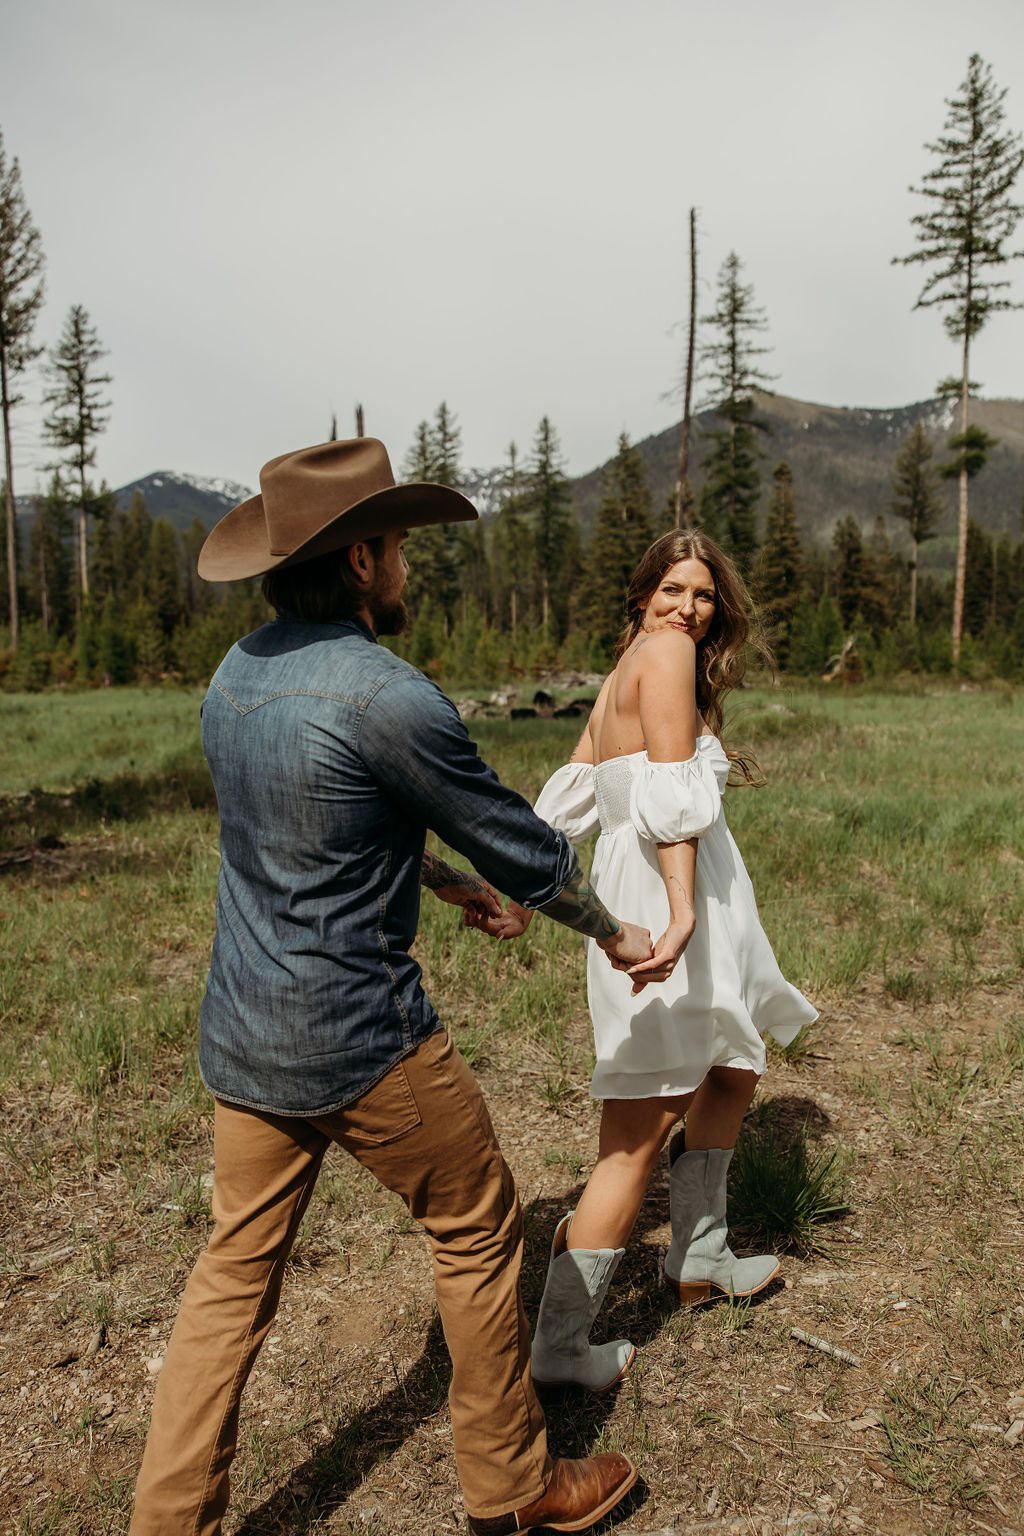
538	584
842	461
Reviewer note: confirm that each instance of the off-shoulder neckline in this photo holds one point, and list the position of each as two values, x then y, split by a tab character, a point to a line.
624	757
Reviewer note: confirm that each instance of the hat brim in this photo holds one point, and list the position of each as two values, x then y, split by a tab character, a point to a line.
239	545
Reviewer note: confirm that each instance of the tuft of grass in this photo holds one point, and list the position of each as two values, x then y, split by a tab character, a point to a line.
799	1048
781	1191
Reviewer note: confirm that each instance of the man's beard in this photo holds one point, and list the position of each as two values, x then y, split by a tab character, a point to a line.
388	615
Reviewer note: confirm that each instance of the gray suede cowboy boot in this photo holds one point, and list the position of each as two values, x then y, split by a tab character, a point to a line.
699	1262
577	1282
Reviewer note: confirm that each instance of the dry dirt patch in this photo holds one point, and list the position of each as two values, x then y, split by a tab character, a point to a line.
736	1425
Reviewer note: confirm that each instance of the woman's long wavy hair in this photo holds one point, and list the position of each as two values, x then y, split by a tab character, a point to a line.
735	628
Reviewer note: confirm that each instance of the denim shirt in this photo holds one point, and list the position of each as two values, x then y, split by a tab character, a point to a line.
331	758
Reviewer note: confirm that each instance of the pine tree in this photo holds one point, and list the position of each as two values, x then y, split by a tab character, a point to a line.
556	544
21	294
433	551
621	534
779	573
512	552
77	413
132	532
979	581
962	235
850	568
884	584
49	566
729	495
103	573
163	577
915	497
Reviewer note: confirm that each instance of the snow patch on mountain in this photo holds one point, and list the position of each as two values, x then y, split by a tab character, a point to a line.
485	489
229	491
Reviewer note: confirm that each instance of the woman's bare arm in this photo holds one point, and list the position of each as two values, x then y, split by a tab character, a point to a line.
668	718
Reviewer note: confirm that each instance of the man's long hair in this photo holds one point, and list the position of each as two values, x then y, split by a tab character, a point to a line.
320	590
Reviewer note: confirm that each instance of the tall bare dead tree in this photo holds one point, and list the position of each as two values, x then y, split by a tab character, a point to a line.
684	497
21	294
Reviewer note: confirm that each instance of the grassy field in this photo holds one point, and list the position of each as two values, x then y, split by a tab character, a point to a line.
888	857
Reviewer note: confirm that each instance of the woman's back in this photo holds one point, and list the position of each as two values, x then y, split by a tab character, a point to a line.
648	703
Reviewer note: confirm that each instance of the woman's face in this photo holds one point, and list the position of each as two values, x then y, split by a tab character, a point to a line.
683	599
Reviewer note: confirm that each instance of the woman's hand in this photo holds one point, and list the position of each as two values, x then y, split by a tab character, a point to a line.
667	951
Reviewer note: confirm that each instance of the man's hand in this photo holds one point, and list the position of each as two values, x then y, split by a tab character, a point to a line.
628	948
461	888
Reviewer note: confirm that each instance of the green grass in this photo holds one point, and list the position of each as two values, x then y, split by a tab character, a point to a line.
783	1192
60	741
887	854
889	846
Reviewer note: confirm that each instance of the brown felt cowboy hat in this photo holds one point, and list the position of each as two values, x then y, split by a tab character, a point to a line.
318	499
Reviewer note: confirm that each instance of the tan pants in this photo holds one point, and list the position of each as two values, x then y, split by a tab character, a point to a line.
424	1131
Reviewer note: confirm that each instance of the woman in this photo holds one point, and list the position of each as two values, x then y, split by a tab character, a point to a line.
649	771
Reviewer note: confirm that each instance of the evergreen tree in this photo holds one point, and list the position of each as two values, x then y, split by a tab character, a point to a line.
779	572
433	551
21	294
729	495
103	573
199	597
447	448
915	497
132	531
850	568
512	552
474	569
978	588
49	566
1006	589
621	534
556	544
77	413
884	579
419	461
163	577
962	235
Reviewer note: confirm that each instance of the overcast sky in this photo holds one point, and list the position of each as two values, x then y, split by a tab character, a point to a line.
275	210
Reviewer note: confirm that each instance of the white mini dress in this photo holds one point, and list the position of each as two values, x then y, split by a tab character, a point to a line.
727	989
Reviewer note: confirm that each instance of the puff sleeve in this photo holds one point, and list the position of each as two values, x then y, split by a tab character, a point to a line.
567	801
670	802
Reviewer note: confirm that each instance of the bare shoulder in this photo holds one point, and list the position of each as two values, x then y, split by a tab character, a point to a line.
665	651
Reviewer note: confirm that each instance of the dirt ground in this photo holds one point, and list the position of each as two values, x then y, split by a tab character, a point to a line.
737	1426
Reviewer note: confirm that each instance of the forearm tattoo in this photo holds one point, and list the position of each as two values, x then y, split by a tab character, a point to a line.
579	906
435	874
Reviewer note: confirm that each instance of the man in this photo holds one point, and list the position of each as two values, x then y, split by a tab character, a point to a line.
331	759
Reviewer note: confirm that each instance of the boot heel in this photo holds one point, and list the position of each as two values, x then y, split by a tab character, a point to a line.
692	1292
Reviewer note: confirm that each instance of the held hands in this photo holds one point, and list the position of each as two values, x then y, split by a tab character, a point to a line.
479	901
503	925
626	949
667	951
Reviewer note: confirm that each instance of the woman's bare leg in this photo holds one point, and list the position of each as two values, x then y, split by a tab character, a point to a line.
633	1132
716	1113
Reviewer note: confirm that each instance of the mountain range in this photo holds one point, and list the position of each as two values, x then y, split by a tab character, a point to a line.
842	460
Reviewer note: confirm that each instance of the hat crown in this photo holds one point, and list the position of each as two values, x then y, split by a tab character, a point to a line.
304	490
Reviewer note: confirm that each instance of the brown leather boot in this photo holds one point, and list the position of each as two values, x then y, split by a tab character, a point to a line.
578	1494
